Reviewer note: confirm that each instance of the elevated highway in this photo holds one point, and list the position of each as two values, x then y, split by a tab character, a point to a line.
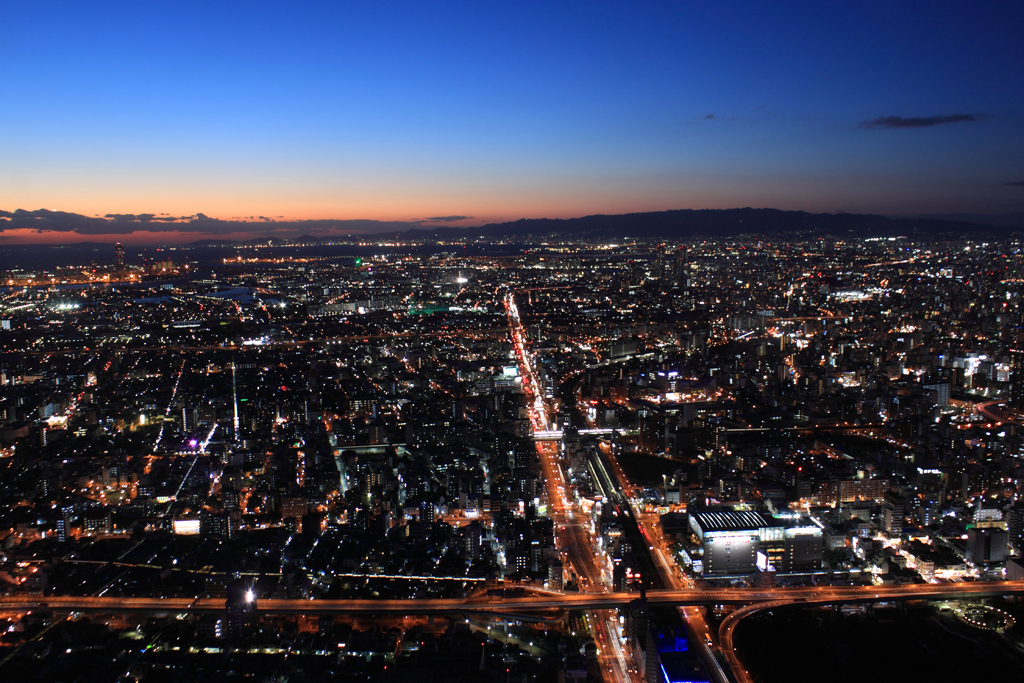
533	604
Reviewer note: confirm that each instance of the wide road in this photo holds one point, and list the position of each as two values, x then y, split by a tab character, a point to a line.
571	529
823	595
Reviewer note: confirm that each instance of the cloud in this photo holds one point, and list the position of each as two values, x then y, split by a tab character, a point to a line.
143	217
45	220
919	121
1017	184
711	117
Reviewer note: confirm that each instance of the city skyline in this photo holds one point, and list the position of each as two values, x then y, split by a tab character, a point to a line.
27	230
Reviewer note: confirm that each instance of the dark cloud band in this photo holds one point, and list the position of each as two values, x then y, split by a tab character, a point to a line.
44	220
919	121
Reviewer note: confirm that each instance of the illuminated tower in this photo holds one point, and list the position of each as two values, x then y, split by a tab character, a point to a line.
119	256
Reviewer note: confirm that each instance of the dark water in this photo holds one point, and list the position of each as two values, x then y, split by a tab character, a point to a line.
49	257
38	257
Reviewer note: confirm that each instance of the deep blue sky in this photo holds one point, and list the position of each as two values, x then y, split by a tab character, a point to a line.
495	110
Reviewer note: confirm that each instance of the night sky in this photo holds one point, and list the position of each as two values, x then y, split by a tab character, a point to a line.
499	110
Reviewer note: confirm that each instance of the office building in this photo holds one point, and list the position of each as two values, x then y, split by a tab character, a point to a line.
986	546
893	511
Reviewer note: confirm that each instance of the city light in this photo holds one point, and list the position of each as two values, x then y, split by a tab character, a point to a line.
554	438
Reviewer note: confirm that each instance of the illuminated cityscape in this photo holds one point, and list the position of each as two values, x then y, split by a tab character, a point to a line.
575	459
533	342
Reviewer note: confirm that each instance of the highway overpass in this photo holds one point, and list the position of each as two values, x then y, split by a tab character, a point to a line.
519	605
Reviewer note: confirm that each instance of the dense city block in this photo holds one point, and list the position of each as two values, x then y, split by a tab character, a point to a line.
486	423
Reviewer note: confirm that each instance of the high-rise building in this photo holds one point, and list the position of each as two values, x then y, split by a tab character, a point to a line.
1015	526
833	491
215	524
659	268
680	268
1017	379
119	256
941	392
633	277
893	510
556	572
986	545
64	524
241	610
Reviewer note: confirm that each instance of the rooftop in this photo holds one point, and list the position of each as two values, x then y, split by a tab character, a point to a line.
733	520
